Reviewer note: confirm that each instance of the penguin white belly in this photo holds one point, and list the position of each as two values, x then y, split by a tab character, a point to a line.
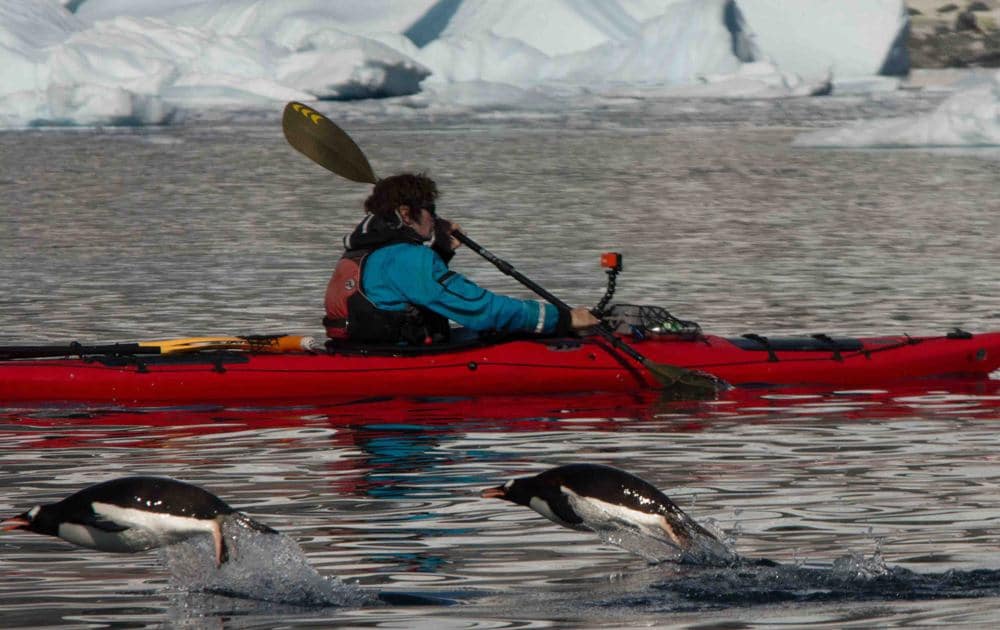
125	541
600	515
143	529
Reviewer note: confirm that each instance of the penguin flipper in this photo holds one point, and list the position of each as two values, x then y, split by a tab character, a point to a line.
105	525
90	514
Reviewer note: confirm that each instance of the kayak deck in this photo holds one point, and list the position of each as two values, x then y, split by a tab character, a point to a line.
509	368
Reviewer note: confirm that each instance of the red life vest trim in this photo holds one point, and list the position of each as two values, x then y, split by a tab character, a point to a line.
345	282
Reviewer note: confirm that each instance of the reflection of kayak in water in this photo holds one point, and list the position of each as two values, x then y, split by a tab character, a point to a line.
601	411
509	368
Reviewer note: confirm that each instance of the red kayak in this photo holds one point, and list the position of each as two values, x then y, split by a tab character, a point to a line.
251	377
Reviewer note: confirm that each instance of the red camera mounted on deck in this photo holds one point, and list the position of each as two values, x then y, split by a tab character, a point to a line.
612	261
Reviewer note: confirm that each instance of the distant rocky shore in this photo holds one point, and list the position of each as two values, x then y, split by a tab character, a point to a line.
954	34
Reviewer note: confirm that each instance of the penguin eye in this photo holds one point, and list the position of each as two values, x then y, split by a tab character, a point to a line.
33	512
508	485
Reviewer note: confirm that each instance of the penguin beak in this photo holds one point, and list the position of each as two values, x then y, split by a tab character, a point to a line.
494	493
17	522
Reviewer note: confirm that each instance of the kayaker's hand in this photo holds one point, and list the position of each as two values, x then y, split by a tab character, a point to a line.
446	227
454	242
581	318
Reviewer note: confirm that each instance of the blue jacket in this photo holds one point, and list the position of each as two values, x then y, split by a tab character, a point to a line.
408	273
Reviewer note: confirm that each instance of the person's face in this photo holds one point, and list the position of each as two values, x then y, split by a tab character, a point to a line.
420	219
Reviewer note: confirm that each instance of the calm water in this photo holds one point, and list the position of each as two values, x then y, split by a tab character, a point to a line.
880	505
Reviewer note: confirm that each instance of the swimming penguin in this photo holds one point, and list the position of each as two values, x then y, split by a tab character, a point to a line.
601	499
133	514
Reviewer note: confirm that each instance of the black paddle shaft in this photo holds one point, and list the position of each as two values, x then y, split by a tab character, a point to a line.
509	270
74	349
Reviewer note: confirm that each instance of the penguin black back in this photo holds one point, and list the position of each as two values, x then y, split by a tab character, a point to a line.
151	494
609	484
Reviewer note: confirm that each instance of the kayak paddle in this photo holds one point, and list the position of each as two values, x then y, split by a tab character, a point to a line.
250	343
326	144
72	350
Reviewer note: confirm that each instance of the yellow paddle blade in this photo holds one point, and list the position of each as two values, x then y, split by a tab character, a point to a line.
254	343
323	142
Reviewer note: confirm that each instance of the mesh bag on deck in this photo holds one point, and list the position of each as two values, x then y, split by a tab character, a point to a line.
642	321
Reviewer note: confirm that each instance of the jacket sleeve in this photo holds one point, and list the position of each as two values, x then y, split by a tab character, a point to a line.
431	284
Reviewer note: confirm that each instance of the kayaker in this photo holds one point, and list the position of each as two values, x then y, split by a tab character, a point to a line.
393	285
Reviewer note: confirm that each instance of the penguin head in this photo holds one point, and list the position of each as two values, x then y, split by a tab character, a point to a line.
40	519
519	491
540	494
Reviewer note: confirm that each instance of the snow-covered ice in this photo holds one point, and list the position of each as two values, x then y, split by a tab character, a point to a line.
970	117
135	62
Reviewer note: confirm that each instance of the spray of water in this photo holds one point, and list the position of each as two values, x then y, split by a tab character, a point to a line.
262	566
655	546
858	568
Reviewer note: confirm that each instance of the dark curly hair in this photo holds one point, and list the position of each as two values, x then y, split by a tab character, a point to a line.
406	189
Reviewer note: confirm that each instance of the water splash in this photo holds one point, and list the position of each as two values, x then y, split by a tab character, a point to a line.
654	547
651	549
262	566
856	568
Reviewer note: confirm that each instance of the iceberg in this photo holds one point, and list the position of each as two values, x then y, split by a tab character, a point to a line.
148	62
847	38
